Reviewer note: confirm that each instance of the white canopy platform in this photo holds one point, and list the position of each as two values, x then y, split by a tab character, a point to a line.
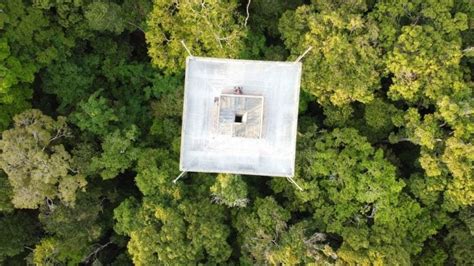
240	116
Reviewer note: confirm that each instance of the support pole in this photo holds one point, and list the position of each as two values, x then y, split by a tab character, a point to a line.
291	180
185	47
180	175
301	56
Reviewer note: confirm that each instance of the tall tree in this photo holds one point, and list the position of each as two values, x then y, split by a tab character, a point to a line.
73	233
178	232
230	190
36	163
17	231
424	39
354	192
344	65
265	237
118	153
212	28
29	41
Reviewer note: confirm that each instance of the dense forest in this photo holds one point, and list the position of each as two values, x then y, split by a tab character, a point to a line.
91	98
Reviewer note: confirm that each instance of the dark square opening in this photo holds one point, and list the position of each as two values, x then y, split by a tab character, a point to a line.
238	118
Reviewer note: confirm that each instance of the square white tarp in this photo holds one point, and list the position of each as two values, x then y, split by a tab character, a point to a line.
240	116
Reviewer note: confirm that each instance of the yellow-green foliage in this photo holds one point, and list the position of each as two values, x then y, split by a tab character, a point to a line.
230	190
37	166
344	65
210	28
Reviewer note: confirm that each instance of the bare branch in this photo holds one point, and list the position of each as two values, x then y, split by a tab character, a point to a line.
467	50
93	254
136	26
248	14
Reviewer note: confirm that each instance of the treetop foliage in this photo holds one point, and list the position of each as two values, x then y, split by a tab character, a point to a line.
211	28
345	61
91	96
37	166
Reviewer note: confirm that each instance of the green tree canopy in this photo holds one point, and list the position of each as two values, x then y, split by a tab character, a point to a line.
73	232
35	161
29	41
344	64
5	194
93	90
230	190
17	231
118	153
179	232
354	192
211	28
